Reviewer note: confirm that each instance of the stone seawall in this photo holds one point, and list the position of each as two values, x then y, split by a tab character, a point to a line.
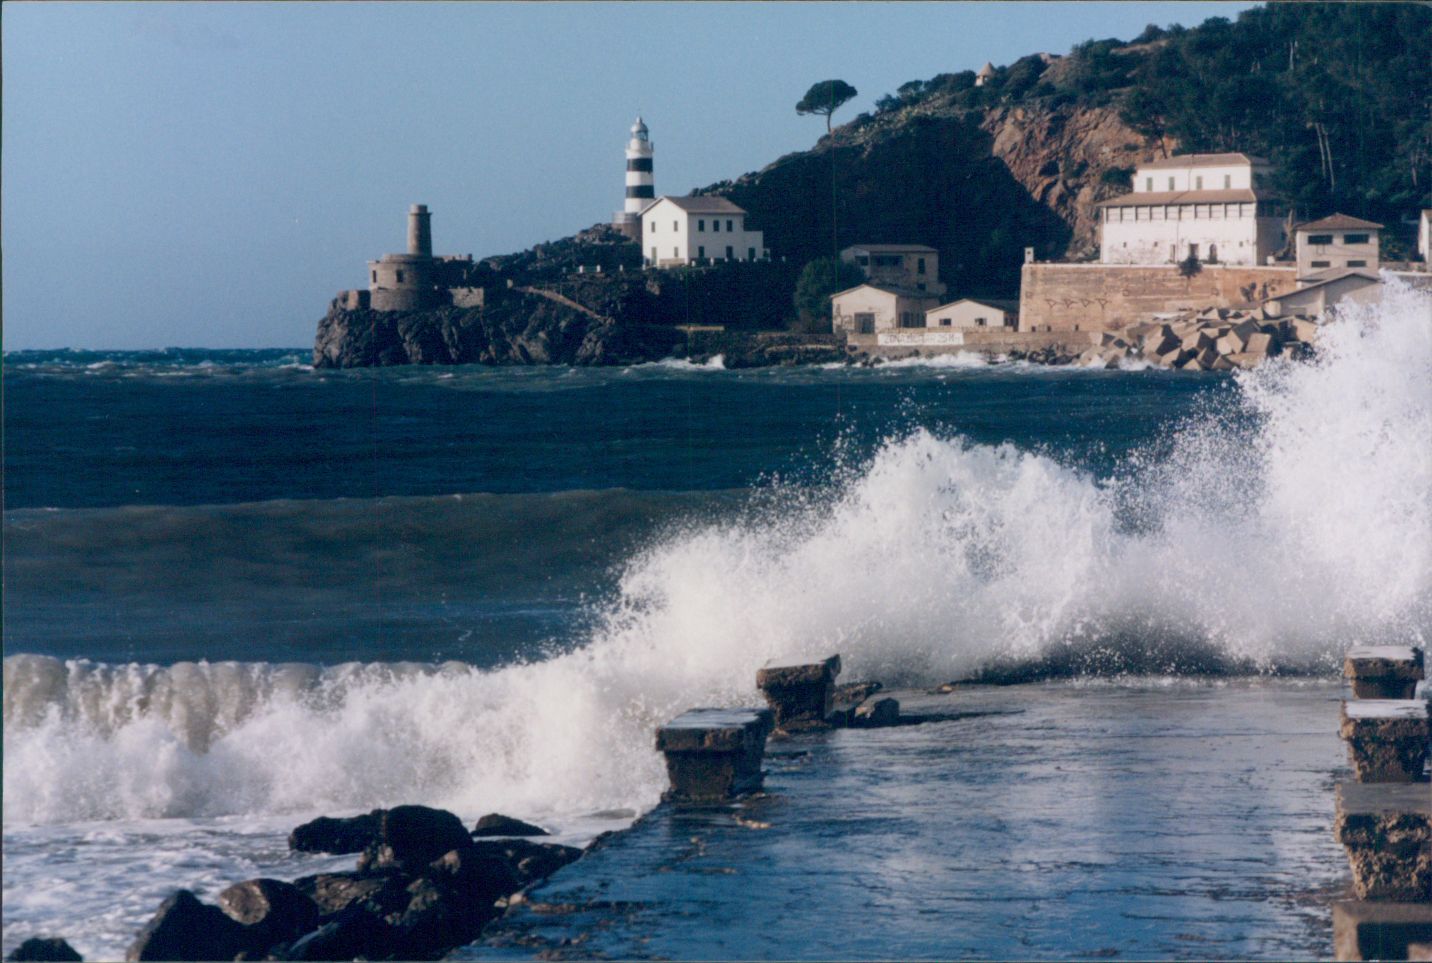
1083	297
989	341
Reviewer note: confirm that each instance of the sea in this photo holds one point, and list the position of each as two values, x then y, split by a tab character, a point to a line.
240	592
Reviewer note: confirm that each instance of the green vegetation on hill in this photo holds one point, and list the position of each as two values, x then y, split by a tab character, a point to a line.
1337	95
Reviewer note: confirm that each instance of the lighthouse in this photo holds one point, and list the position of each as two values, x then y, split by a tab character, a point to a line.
640	189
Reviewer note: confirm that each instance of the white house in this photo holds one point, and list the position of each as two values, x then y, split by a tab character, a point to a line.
872	308
1334	244
1214	207
970	313
912	266
676	231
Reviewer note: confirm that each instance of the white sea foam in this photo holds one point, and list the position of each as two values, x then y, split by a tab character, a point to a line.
1274	538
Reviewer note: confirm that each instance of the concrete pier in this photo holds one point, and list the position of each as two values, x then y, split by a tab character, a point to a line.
1386	738
1384	671
1379	931
714	754
1387	832
799	692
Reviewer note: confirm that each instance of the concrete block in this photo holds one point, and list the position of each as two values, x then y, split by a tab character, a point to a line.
1387	832
1384	671
1221	363
1386	738
799	691
1245	359
714	754
1193	364
1258	343
1301	329
1245	328
1421	952
1379	931
1230	343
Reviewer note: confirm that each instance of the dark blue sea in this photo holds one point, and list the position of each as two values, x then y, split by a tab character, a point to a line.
240	592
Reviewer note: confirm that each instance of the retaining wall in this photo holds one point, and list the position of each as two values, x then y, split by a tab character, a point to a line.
1082	297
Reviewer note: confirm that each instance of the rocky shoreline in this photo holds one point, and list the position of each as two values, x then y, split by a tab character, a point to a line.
423	885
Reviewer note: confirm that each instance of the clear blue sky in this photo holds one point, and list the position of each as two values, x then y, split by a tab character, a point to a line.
210	174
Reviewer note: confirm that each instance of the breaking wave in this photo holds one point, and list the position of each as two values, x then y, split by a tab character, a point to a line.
1293	518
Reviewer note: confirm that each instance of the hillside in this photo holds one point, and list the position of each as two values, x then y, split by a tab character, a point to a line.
1336	95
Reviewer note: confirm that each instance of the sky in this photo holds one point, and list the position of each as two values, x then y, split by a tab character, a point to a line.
211	174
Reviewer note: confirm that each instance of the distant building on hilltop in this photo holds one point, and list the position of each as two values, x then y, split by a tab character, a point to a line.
1336	244
912	266
1215	208
640	182
985	73
677	231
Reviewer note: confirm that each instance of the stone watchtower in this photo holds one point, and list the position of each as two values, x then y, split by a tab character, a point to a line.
408	282
640	184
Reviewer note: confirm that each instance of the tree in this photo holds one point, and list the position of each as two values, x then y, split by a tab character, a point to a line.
825	98
818	281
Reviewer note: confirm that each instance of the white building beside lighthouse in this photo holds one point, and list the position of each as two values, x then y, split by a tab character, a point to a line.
640	184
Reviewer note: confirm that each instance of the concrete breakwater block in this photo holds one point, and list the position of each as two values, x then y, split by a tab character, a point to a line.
1379	931
714	754
874	713
1384	671
799	691
1386	738
1387	832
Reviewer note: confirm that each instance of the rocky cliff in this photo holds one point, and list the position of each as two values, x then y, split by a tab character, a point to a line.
979	185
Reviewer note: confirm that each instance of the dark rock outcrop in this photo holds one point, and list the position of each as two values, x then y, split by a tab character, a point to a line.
185	929
45	948
496	824
327	834
410	837
272	911
528	861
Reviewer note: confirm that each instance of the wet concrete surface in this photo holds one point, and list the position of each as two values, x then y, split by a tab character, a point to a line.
1148	819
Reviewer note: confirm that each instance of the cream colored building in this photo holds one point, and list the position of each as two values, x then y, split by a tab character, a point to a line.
677	231
1315	299
1217	208
915	267
1336	243
969	313
870	309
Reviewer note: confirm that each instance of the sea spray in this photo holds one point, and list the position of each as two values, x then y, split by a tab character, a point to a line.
1289	522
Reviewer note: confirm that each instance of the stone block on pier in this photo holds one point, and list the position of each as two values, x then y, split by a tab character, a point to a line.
1384	671
799	691
714	754
1386	738
875	713
1387	832
1379	931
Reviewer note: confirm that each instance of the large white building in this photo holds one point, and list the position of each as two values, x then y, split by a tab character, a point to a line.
677	231
1216	208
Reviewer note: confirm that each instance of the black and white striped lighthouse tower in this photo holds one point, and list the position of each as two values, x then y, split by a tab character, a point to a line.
640	187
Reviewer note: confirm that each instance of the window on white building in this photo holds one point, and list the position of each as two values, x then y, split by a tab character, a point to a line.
676	225
1357	264
730	253
701	225
676	252
920	266
1148	183
1198	183
728	225
1170	183
715	225
1320	238
1227	181
1355	238
750	254
701	251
